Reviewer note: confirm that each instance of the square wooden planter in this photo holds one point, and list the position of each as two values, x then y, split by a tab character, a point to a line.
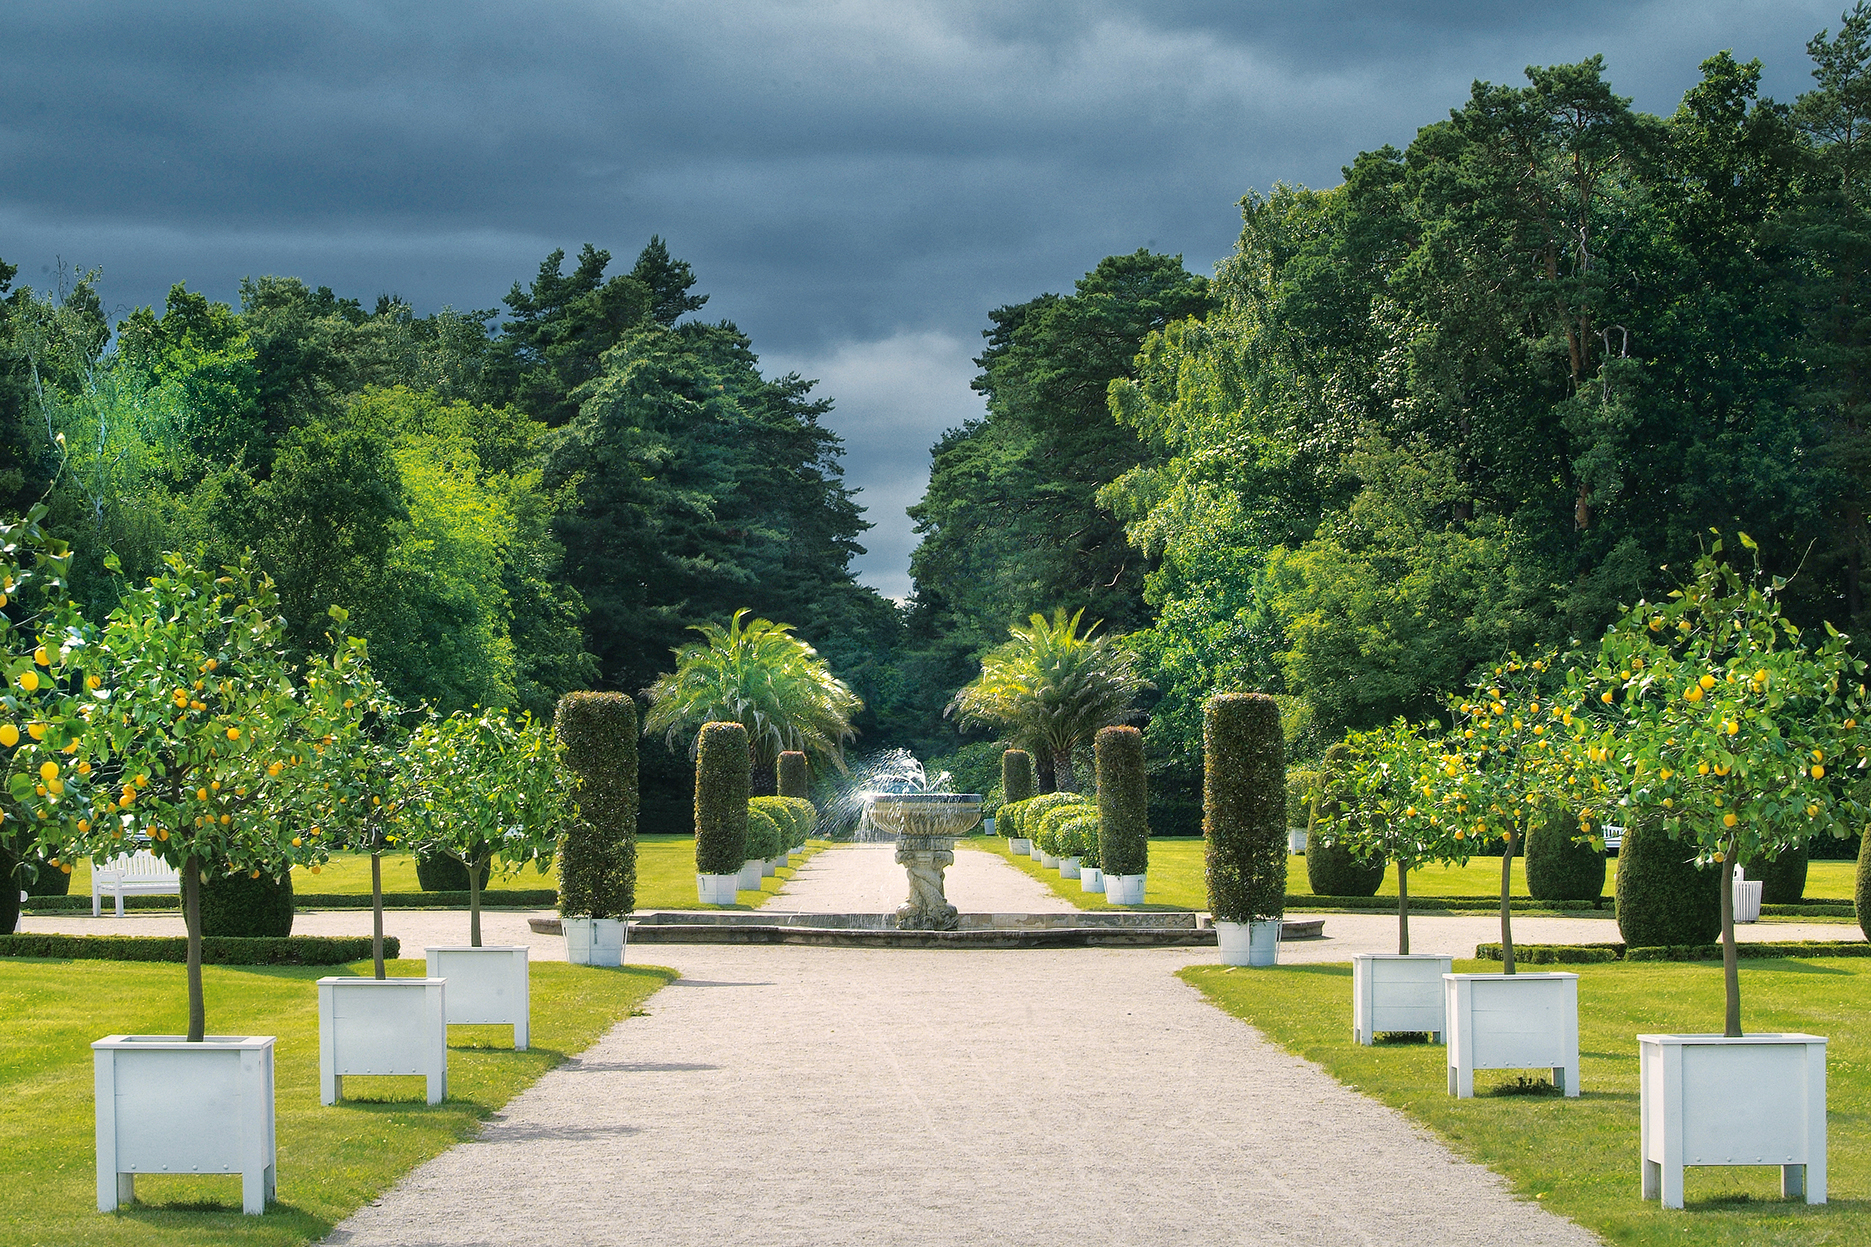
486	987
165	1105
381	1026
1512	1021
1396	992
1712	1100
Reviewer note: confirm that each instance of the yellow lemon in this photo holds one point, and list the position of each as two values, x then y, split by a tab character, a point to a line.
93	682
1668	803
1702	768
1729	820
1733	727
1694	693
1605	697
297	841
35	730
254	875
162	833
1682	625
41	657
233	733
226	819
316	869
29	680
84	768
9	735
84	824
1656	625
142	781
1819	755
1812	811
1819	772
48	770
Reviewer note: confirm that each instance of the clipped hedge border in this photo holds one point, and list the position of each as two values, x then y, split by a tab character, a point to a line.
1429	904
508	898
216	950
1584	954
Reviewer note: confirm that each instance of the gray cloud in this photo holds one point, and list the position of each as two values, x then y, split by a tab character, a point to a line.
856	183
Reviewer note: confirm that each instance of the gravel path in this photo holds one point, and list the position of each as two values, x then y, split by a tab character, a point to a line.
787	1095
865	879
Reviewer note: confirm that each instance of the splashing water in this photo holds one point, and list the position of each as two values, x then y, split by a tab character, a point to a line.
844	817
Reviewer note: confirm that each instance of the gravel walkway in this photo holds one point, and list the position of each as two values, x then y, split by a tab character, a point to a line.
865	879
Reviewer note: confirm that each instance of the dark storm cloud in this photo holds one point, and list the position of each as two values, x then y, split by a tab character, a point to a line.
856	183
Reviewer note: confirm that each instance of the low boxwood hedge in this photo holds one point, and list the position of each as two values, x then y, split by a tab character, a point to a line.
509	898
1585	954
218	950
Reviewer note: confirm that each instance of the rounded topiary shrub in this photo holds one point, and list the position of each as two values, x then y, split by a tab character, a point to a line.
598	849
1244	806
1783	880
1559	866
1078	837
723	778
1861	890
794	816
51	881
764	838
1016	779
1332	869
1662	898
242	905
1123	801
795	777
438	872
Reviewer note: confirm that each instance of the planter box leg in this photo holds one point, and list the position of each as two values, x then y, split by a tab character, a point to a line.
1792	1182
331	1090
1653	1180
1461	1082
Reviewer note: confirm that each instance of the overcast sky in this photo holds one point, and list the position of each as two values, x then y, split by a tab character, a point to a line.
856	183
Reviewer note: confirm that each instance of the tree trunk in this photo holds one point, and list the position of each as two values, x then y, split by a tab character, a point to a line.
474	902
1507	884
1042	771
376	905
1062	770
191	918
1731	968
1403	908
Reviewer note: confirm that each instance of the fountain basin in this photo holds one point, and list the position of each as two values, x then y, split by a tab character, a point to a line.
946	815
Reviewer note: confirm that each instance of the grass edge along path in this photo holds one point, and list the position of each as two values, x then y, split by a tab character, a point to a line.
1579	1157
332	1161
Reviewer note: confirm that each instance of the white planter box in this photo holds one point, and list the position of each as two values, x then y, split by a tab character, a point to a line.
595	941
1033	851
381	1026
1397	992
1020	846
987	826
1124	889
1747	898
1296	840
1512	1021
1068	867
486	987
168	1106
768	869
1048	860
1090	879
1711	1100
1248	943
749	877
717	889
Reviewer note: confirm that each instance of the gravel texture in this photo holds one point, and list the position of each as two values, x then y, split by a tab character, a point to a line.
865	879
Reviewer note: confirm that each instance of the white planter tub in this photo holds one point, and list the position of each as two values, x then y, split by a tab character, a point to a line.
1711	1100
987	826
381	1026
1124	889
1019	846
1090	879
1747	898
768	869
1512	1021
595	941
1248	943
168	1106
1397	992
749	877
1296	840
717	889
486	987
1048	860
1033	851
1068	867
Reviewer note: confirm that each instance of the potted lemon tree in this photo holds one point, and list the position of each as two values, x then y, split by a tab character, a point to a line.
1724	724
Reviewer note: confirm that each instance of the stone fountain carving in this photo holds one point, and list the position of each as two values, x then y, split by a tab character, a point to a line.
926	825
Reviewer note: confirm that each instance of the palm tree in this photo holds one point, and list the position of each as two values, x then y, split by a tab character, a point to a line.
1052	687
759	675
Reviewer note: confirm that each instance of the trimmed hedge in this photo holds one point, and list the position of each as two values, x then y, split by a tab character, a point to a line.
1554	954
598	848
795	777
1663	899
1023	816
9	890
1123	801
438	872
795	817
764	838
1783	880
1244	806
508	898
49	881
1861	889
723	780
1078	837
1048	830
216	950
1559	866
1332	869
1016	781
239	906
1452	904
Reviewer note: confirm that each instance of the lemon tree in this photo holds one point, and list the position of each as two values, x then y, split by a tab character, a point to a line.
1716	717
483	787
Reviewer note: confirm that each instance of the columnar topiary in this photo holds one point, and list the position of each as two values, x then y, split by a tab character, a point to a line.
1244	806
598	849
1783	880
1331	868
795	779
723	776
240	904
1016	780
1123	802
1560	866
764	837
1663	898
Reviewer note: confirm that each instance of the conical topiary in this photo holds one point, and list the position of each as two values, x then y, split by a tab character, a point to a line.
1560	866
1332	869
1244	807
723	779
1663	899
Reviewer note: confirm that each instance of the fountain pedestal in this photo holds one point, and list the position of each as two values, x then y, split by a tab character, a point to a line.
926	824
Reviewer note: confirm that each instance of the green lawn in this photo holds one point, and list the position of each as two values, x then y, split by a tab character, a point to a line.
1579	1157
331	1160
665	875
1176	877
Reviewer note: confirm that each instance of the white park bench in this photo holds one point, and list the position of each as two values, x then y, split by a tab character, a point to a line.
133	874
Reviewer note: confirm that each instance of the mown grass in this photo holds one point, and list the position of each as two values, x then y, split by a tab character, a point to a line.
331	1160
1579	1157
1176	877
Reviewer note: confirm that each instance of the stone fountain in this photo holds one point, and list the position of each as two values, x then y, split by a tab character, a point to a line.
926	825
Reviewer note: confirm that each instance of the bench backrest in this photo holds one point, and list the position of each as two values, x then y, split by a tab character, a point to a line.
141	864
